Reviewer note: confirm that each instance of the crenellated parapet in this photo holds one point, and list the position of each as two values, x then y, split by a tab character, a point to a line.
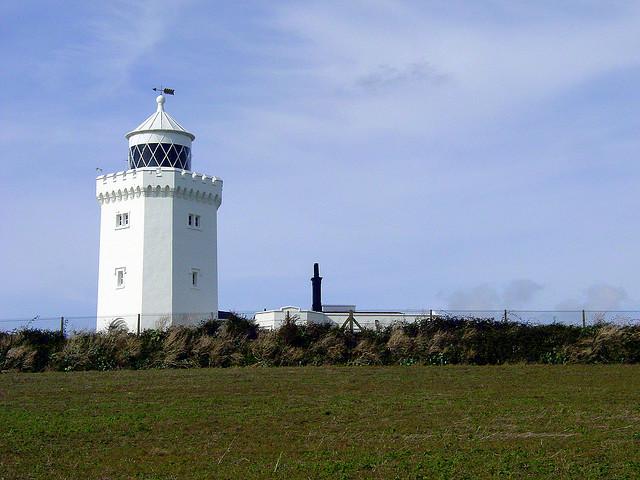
158	182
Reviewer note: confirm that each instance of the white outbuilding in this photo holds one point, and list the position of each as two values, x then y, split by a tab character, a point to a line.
158	232
340	315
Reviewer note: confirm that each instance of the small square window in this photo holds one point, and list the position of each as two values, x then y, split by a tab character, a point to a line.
122	220
193	220
195	274
120	273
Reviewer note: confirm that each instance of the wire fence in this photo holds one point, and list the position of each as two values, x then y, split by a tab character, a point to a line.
371	319
582	318
91	323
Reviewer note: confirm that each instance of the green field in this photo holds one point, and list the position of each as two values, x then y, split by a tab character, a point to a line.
518	421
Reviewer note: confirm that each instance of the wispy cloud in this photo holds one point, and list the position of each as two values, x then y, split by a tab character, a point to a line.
495	68
116	37
388	76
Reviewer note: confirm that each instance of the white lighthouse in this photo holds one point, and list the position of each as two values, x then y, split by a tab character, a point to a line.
158	232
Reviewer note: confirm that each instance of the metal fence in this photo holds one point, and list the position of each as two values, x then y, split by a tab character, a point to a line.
90	323
578	318
367	318
582	318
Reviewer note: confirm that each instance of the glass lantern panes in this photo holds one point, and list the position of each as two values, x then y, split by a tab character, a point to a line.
160	155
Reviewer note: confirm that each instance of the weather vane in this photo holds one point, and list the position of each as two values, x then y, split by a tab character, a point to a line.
168	91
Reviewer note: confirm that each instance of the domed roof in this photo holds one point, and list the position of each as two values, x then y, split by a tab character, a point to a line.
160	121
160	141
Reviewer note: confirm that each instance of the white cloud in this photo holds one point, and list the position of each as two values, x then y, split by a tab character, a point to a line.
491	69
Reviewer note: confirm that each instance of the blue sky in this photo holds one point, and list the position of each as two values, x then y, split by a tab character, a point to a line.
427	154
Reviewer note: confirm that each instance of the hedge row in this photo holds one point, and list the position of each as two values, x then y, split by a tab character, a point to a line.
238	342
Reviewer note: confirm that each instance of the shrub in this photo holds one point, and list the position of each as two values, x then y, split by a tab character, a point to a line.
401	346
607	343
98	351
330	348
209	327
176	348
368	352
238	326
238	342
266	348
21	358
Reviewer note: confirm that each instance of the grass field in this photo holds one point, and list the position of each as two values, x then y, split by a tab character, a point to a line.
519	421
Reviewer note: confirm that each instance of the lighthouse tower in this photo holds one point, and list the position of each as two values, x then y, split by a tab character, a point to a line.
158	232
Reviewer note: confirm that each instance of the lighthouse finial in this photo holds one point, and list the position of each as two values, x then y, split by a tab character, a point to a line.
160	98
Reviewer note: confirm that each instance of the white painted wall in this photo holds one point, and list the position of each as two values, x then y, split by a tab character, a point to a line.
158	249
271	319
275	318
189	245
120	248
165	136
157	253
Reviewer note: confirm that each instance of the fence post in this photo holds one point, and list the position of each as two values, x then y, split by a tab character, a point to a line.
584	319
138	329
505	315
62	326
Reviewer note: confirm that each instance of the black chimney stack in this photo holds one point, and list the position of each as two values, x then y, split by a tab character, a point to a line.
316	283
